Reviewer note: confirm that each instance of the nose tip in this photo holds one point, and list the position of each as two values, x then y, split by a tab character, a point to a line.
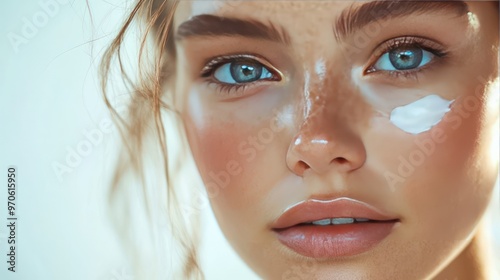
321	154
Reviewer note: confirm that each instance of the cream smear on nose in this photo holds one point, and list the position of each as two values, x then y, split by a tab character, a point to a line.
421	115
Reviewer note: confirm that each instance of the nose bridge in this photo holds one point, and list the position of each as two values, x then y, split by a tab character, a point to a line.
325	92
327	136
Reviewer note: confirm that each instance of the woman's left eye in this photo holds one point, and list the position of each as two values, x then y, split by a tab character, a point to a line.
403	58
241	72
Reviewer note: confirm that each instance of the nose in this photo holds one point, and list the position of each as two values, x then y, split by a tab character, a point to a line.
321	146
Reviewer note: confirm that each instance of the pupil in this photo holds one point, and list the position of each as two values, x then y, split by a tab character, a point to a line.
406	58
247	70
244	72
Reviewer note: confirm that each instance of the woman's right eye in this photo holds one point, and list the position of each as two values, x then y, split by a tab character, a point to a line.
239	75
241	72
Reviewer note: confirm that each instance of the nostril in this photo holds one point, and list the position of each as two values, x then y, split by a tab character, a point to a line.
340	160
301	167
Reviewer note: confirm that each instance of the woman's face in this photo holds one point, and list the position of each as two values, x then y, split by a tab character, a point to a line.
374	120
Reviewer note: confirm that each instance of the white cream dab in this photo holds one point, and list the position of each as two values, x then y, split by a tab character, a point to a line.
421	115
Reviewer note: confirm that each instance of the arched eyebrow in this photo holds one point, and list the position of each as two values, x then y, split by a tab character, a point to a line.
213	26
355	18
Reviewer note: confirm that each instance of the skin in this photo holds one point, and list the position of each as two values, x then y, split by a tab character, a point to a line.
323	131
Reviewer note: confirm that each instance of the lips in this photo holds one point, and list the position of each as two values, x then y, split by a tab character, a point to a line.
336	228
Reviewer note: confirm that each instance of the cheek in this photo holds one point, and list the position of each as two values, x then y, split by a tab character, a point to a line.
445	175
214	146
237	151
237	163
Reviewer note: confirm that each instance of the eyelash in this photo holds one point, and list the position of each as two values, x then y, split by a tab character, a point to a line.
224	89
407	41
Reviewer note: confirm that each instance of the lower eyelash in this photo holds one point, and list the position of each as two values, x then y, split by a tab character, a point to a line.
407	74
404	74
224	90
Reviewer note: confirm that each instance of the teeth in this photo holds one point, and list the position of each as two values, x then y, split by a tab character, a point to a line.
341	221
323	222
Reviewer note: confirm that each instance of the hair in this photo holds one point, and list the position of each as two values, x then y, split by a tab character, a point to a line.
144	113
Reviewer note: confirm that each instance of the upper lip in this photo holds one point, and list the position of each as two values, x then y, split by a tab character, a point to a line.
312	210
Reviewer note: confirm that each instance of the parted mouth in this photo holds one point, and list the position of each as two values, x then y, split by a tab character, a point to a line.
340	211
333	228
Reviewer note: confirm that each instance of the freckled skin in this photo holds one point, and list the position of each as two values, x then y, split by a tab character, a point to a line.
335	139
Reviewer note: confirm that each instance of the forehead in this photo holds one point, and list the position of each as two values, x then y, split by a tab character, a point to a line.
304	17
277	10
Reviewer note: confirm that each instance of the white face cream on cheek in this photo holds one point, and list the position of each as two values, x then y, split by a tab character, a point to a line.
421	115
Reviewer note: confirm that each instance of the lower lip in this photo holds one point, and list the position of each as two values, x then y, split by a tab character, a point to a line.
334	240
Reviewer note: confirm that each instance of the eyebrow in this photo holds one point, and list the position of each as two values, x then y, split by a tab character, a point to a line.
355	18
213	26
350	20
